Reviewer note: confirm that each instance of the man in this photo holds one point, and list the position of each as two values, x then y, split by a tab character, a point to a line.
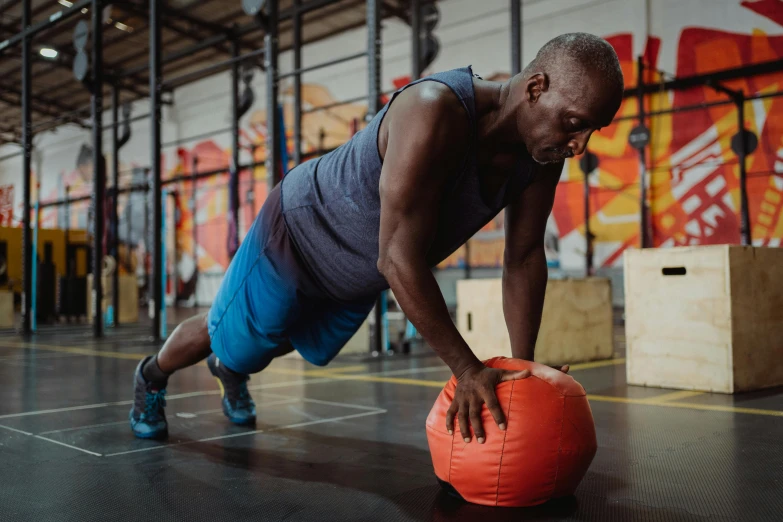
444	156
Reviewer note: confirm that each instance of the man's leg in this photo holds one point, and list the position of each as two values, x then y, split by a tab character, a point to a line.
187	345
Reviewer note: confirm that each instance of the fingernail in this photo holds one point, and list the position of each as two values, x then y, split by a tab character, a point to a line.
467	439
481	440
502	427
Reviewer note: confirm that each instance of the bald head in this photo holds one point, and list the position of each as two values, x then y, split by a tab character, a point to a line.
573	87
572	54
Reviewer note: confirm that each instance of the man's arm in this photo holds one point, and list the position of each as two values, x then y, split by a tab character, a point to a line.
427	132
524	265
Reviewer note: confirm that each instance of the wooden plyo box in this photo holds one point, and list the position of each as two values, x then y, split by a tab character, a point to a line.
704	318
129	298
576	325
6	309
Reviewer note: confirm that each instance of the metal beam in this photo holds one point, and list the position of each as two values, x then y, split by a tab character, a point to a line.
399	13
98	168
27	144
32	30
173	15
110	74
241	31
769	67
156	86
44	111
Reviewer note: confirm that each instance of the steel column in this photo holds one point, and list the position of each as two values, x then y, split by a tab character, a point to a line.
234	187
743	173
415	39
27	148
273	170
98	168
516	37
373	106
115	225
643	240
156	88
297	50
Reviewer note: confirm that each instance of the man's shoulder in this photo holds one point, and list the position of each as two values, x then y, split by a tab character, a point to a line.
432	104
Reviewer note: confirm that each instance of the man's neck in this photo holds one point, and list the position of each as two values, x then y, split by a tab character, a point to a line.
497	116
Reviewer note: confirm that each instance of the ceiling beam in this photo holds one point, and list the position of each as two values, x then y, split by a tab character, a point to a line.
43	111
393	10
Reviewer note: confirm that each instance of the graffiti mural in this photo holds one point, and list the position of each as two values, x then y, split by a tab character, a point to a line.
693	173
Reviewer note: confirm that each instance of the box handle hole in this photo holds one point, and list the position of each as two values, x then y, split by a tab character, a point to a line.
470	322
674	271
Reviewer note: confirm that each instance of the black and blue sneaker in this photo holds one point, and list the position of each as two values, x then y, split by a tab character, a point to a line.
236	401
147	417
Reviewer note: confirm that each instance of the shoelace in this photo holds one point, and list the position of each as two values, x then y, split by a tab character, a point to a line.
153	404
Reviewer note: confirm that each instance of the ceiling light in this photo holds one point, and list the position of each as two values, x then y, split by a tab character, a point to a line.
122	27
66	3
48	52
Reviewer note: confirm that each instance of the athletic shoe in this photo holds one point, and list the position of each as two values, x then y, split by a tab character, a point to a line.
147	416
237	403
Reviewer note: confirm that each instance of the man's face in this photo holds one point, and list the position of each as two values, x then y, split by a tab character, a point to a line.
563	115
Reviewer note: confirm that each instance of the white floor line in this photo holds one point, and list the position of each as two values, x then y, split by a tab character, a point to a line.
75	428
168	398
331	403
322	421
171	414
255	432
9	428
68	445
264	386
59	410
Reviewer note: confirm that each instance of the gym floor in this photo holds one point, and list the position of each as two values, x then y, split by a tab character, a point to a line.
347	442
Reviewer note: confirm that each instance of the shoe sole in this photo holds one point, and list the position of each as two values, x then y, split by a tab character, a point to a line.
149	436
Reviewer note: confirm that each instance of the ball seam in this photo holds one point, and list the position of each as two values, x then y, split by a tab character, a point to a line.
503	446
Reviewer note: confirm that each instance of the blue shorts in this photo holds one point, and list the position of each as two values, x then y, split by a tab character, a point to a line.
268	298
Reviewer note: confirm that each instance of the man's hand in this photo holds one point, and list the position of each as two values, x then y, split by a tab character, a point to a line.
476	387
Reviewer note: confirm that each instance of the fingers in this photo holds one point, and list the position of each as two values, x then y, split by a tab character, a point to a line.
450	417
508	375
464	424
475	421
565	368
497	412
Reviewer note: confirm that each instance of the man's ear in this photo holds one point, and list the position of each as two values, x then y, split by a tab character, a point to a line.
536	84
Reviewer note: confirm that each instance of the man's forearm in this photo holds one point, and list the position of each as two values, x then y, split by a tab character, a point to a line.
524	286
419	296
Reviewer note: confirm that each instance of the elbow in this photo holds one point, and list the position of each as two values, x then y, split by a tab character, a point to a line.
532	254
395	267
386	266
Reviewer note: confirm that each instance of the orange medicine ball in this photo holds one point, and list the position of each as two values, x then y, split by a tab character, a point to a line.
544	453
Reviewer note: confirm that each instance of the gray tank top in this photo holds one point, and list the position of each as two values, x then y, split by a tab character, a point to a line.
332	207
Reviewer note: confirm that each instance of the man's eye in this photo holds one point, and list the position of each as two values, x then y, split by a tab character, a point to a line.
575	125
